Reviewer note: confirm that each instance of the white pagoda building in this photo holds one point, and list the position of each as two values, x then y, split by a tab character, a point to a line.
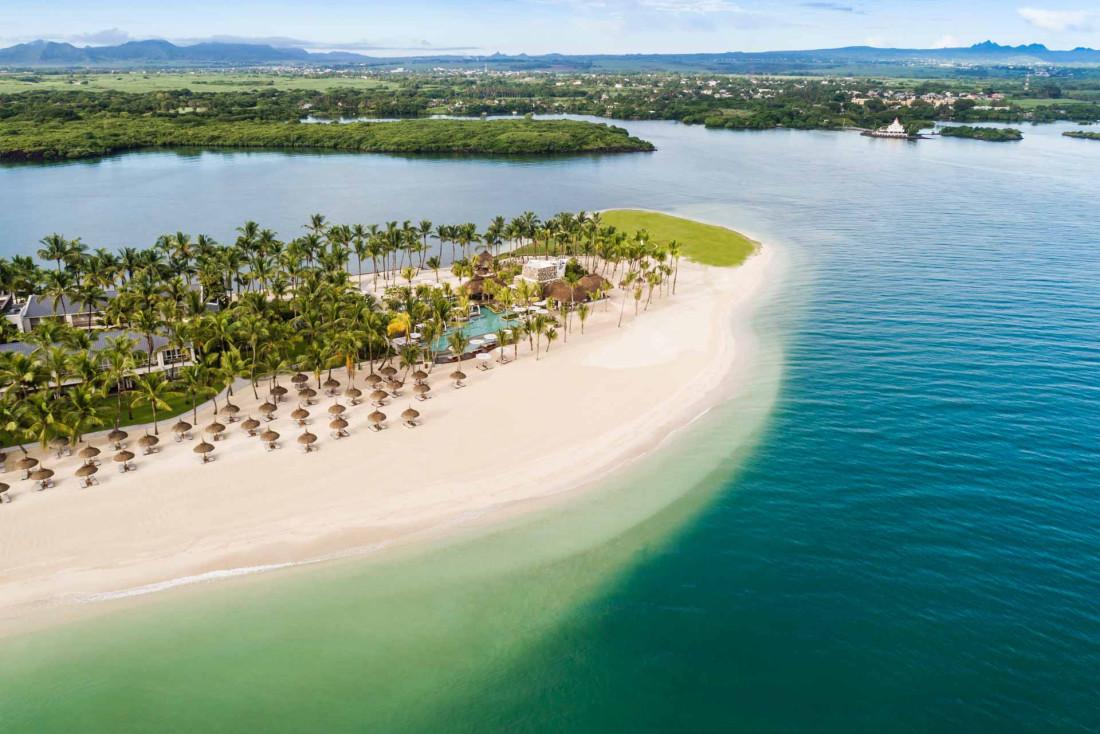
894	130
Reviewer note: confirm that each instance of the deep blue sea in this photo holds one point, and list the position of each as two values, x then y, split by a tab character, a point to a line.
897	530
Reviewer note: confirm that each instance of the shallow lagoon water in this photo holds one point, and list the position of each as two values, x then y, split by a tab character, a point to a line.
893	529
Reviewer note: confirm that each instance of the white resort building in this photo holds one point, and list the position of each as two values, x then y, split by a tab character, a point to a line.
543	271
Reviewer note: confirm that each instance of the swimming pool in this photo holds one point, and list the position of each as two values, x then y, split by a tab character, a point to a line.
487	322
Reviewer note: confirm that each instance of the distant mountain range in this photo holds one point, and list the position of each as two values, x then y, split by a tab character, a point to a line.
50	53
155	53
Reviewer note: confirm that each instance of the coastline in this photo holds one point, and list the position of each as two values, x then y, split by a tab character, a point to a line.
483	454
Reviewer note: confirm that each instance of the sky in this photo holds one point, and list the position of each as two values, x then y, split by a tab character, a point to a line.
408	27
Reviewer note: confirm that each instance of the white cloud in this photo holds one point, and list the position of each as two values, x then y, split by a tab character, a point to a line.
701	7
107	37
676	7
1058	21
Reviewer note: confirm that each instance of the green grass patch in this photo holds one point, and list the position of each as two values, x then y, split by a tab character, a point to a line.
1027	103
140	82
704	243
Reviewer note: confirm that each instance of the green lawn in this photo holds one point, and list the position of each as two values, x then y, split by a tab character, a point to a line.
1029	102
197	82
704	243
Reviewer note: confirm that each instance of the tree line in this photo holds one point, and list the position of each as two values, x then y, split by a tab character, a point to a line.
259	306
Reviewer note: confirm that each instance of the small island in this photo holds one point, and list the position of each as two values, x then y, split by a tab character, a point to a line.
1082	135
357	342
989	134
101	135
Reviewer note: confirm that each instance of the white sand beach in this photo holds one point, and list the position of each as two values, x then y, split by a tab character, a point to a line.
515	438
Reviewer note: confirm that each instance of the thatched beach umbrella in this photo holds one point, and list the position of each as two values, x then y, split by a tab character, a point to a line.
420	375
377	419
86	474
458	376
299	378
336	409
123	459
88	453
379	397
42	476
299	415
269	437
331	385
388	371
373	379
394	386
422	391
215	429
182	429
25	465
203	449
409	416
230	410
308	394
339	427
117	436
147	442
278	392
59	444
4	493
307	440
250	424
268	410
353	394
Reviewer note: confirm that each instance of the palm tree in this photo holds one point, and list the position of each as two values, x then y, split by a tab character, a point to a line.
81	411
538	328
23	373
582	314
195	380
153	390
56	361
674	253
118	366
458	341
573	280
54	247
519	330
57	285
434	264
628	280
41	418
409	356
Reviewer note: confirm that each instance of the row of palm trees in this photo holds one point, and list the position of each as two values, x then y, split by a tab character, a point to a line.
260	307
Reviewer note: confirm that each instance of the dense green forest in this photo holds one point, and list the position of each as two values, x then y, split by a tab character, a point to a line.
1082	135
719	101
59	116
990	134
104	134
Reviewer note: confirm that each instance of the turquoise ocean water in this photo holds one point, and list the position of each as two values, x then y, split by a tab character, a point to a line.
894	528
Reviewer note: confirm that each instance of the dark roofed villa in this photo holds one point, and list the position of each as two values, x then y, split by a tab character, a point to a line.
73	312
